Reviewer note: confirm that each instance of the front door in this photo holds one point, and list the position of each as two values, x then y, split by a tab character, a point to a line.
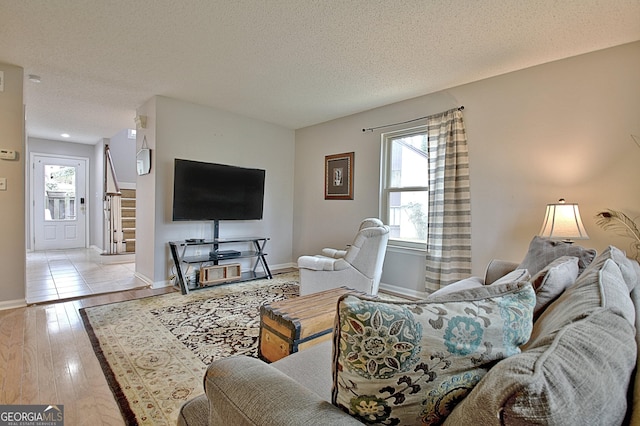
59	202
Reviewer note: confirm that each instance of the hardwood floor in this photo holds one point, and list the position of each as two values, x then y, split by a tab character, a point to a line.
46	358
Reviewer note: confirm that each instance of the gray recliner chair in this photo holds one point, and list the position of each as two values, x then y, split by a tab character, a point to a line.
358	267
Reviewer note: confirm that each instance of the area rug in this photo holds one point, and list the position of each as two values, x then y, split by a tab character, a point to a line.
154	351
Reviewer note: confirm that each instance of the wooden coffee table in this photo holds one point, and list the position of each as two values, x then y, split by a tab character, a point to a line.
292	325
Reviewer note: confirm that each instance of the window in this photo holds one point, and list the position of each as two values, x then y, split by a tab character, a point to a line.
404	199
60	192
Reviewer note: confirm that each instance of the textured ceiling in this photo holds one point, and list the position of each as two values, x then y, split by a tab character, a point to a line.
290	62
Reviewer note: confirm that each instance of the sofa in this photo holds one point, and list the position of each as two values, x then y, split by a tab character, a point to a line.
551	340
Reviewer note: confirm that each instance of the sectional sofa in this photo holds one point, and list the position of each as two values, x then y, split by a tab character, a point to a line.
552	340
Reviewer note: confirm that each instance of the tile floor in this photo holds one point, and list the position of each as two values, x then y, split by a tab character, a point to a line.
66	274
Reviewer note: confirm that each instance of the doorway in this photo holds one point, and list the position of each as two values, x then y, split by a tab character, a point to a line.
59	202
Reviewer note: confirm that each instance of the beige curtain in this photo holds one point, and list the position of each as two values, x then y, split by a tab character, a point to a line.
449	234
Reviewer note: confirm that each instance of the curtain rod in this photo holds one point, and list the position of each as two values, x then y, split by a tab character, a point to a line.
405	122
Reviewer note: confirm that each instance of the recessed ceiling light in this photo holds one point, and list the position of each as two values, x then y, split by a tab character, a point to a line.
34	78
65	135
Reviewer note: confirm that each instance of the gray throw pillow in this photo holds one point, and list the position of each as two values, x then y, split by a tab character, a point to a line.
465	284
513	276
577	366
553	280
543	251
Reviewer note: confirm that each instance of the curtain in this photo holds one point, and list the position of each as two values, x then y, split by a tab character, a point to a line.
449	229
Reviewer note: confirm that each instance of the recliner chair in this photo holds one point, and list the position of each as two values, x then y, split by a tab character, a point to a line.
366	223
358	267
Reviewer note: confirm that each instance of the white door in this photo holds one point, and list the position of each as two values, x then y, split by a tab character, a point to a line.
59	202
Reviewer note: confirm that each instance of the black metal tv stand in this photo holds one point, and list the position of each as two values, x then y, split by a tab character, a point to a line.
213	265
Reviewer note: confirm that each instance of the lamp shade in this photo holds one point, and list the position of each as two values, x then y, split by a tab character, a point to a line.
562	221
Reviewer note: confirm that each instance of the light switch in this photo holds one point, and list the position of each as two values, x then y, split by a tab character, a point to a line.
3	184
1	81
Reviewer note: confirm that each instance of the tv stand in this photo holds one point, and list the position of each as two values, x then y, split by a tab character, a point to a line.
205	256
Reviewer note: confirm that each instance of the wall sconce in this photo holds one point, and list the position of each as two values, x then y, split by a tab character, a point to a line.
562	221
141	121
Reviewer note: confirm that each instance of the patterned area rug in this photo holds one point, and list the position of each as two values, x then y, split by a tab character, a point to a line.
154	351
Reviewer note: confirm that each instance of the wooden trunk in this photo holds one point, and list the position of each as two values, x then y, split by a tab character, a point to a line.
292	325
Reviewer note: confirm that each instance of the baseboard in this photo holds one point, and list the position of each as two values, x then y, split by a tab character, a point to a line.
161	284
403	291
280	266
102	257
145	279
13	304
112	259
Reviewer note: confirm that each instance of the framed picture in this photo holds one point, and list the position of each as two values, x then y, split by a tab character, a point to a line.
338	176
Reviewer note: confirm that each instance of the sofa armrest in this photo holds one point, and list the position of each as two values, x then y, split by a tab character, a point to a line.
322	263
497	269
246	391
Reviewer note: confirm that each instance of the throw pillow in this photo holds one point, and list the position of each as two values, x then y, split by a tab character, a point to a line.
408	363
575	369
553	280
629	268
513	276
465	284
543	251
475	282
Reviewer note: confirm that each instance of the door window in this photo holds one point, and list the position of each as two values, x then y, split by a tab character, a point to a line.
60	192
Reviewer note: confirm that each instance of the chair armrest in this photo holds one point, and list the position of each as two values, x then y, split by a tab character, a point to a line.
322	263
243	390
336	254
497	269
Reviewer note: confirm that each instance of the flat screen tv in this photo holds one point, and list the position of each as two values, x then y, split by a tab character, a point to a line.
210	191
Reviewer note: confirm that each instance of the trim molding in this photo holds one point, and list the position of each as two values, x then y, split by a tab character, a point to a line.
406	250
12	304
146	280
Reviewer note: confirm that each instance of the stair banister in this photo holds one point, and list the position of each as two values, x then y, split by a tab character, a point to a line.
112	207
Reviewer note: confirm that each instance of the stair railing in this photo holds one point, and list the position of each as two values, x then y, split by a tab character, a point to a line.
112	207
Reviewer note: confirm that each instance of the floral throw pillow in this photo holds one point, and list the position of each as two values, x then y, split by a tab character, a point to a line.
411	363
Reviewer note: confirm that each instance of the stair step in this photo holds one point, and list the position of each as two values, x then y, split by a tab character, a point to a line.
130	246
128	212
128	193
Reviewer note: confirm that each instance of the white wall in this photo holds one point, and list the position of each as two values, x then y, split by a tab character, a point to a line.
12	201
556	130
123	152
179	129
145	200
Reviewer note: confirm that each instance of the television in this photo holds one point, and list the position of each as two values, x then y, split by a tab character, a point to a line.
209	191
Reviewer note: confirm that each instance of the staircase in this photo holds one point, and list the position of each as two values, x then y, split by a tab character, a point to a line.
119	213
128	213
